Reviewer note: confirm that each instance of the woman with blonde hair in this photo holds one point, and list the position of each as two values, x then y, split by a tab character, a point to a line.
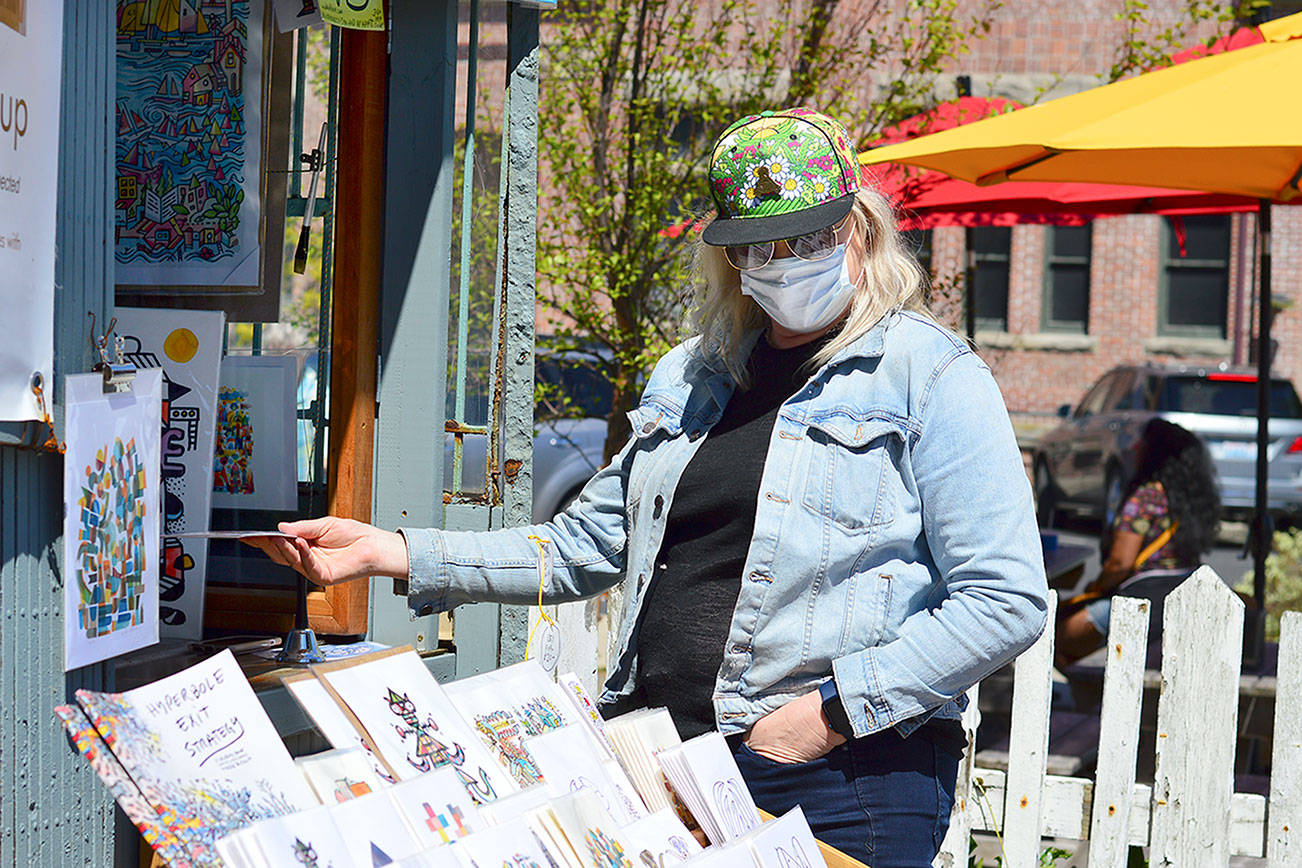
821	520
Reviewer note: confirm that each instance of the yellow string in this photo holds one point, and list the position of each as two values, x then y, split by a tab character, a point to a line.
52	443
542	544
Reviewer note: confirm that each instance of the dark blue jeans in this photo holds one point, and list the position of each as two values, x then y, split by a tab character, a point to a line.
883	799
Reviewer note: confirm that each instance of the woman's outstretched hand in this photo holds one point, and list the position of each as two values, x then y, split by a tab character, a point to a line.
330	550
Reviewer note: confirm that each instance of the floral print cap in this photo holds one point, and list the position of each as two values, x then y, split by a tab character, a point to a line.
779	174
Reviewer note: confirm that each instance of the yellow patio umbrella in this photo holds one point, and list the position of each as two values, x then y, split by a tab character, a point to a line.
1222	124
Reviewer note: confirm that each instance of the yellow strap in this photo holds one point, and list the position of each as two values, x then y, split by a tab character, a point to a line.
1155	546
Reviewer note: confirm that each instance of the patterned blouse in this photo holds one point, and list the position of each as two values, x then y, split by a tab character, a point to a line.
1147	514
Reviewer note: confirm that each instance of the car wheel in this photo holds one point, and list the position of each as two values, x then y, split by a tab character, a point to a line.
1111	497
1046	498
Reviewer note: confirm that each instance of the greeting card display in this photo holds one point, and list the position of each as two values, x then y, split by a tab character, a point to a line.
571	761
409	722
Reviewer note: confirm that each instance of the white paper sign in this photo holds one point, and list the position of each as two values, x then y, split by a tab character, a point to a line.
187	345
31	62
110	518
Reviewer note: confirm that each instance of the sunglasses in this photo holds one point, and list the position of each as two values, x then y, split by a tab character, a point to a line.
811	247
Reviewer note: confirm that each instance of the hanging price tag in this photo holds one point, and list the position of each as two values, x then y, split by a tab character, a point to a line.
354	14
547	646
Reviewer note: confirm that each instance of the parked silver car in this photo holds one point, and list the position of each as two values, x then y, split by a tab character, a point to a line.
1084	463
569	435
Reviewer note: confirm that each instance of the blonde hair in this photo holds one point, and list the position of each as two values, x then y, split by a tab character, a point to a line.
891	280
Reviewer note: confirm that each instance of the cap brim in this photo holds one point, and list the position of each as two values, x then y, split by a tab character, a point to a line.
729	231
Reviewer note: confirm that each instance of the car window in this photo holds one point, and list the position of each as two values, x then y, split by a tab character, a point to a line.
1092	403
572	387
1227	395
1122	394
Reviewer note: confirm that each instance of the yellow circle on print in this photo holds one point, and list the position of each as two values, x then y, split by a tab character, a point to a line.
181	345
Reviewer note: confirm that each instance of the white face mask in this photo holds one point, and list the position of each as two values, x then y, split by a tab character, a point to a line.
801	295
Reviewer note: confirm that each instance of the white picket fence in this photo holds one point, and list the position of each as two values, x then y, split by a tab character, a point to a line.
1191	816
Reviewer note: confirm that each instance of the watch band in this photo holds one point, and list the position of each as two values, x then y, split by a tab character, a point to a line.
834	710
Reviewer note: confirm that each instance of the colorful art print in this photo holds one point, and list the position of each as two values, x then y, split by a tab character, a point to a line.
202	752
152	824
231	472
373	832
514	844
307	838
186	347
332	721
255	462
605	851
574	691
339	775
111	549
401	710
508	705
189	142
503	733
428	749
111	521
436	807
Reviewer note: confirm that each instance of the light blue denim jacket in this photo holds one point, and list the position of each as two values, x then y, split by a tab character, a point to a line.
895	543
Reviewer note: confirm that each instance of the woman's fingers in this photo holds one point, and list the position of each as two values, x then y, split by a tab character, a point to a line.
308	528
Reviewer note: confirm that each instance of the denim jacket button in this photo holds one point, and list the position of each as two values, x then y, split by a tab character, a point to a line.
659	505
648	427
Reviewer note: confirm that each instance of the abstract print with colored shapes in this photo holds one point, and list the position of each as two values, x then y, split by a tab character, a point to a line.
232	465
111	549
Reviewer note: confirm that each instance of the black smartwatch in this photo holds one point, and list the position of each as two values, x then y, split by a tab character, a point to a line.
834	710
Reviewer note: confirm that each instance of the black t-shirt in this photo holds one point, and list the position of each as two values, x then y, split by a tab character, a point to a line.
689	603
690	600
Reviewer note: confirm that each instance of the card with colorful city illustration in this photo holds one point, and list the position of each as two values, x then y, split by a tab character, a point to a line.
187	346
405	715
199	746
189	143
110	518
254	461
507	706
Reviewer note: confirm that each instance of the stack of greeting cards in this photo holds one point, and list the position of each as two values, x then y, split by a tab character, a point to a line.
508	768
703	772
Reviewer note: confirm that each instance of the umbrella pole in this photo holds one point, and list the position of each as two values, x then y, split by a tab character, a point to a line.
1262	530
969	285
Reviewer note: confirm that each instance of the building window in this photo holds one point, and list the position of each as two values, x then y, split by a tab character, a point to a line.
1195	286
991	247
1067	279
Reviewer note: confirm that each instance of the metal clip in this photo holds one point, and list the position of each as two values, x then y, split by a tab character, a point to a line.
118	373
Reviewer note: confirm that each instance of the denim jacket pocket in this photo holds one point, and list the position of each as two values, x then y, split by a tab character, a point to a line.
853	471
